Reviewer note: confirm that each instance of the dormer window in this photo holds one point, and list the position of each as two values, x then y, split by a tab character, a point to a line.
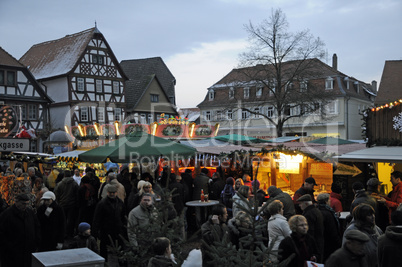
211	94
347	82
231	92
246	92
258	92
357	86
329	83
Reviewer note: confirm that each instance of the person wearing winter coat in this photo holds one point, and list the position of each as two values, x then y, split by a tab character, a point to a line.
361	196
201	182
112	180
336	197
216	186
19	233
52	222
213	230
239	226
109	221
66	193
87	200
278	227
390	244
299	243
315	222
260	194
84	239
227	195
352	253
244	191
395	198
332	231
306	188
277	194
364	221
178	193
163	253
140	216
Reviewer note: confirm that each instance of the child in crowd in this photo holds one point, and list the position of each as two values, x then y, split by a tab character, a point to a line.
163	253
84	239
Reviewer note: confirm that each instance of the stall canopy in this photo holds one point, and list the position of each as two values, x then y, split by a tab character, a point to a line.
374	154
239	139
140	146
331	141
215	147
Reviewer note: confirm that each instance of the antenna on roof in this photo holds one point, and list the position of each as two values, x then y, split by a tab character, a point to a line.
95	24
96	28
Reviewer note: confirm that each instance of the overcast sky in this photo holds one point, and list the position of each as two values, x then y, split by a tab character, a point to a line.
200	40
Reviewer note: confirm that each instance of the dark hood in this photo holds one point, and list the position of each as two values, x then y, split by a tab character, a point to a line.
394	233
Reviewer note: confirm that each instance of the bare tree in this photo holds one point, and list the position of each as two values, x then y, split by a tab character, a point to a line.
288	65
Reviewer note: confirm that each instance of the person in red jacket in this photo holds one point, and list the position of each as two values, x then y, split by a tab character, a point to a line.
395	198
335	198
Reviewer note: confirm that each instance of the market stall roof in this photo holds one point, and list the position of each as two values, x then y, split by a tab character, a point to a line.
374	154
320	148
331	141
284	139
214	146
239	139
137	147
70	154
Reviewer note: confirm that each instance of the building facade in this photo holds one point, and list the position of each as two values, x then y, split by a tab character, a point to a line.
242	103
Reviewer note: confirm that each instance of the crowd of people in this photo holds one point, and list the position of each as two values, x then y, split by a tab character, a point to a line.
75	211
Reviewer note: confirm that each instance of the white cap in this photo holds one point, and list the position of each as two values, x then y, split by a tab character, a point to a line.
49	195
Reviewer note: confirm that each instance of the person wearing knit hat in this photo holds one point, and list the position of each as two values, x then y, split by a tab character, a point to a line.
336	197
84	239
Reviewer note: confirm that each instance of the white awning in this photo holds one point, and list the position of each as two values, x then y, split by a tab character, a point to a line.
390	154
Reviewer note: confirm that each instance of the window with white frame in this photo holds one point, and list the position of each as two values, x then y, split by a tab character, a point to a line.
207	115
229	114
270	111
32	112
143	119
272	88
97	59
357	86
23	112
329	83
8	78
80	84
154	98
231	92
332	107
303	86
258	92
246	92
117	114
245	114
116	87
84	114
211	94
98	86
219	115
101	114
150	118
347	82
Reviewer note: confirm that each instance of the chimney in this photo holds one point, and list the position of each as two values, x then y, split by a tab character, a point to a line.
335	62
374	86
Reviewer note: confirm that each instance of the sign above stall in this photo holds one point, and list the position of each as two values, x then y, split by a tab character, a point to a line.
8	121
12	145
323	169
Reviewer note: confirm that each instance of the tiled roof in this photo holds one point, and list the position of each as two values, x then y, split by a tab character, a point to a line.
390	88
135	89
8	60
317	72
135	69
57	57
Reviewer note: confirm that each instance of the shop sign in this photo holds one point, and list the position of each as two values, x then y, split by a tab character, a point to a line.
11	145
343	169
8	121
324	169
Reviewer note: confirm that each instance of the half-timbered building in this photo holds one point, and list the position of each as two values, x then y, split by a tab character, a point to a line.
82	75
21	92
